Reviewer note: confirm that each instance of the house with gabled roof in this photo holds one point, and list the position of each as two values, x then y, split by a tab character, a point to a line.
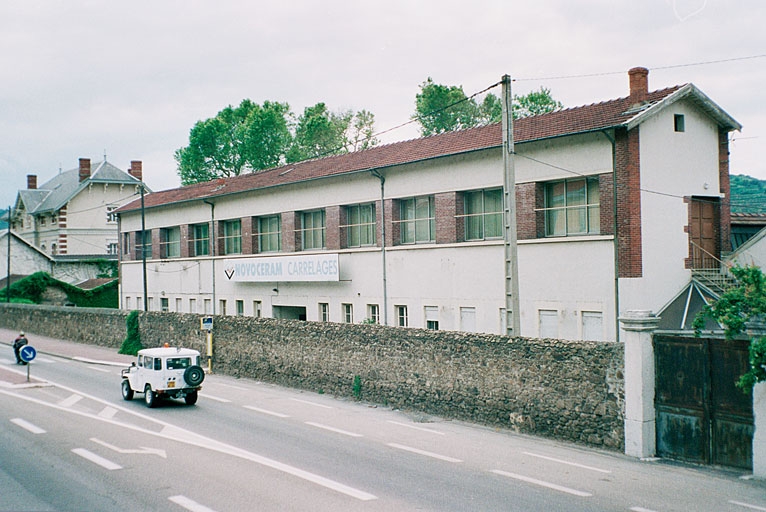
72	213
618	203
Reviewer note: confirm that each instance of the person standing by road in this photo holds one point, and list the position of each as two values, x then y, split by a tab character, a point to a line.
17	344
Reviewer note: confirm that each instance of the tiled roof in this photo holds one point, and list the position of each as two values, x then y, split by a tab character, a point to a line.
569	121
54	193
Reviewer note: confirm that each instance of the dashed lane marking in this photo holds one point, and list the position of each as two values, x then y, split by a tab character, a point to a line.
422	429
307	402
69	402
107	412
333	429
423	452
747	505
543	483
266	411
28	426
217	399
189	504
96	459
568	463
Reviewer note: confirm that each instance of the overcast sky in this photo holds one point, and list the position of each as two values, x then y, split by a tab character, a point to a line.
130	79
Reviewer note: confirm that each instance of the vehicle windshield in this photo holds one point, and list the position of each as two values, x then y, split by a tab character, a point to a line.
178	363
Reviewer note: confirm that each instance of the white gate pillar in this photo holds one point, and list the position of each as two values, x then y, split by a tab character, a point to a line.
758	329
640	417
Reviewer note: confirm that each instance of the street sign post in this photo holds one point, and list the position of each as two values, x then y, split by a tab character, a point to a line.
27	353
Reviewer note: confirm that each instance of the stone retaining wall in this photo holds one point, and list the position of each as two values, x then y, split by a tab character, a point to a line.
566	390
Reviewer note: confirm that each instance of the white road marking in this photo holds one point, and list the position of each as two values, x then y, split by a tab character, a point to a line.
641	509
423	452
747	505
189	504
231	386
542	483
177	434
142	451
311	403
69	402
560	461
217	399
96	459
423	429
107	412
28	426
266	411
97	361
333	429
98	369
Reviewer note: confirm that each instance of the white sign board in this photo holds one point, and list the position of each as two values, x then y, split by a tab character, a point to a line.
315	267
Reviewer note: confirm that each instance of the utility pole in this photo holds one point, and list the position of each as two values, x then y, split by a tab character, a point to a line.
143	247
8	276
511	262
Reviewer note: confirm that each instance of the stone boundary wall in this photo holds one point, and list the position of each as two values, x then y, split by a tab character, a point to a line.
572	391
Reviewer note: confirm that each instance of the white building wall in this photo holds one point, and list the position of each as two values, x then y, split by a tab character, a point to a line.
88	231
569	278
673	166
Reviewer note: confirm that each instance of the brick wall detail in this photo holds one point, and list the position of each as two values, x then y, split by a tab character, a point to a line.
628	203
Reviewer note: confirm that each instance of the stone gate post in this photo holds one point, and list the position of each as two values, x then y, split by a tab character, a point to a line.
640	417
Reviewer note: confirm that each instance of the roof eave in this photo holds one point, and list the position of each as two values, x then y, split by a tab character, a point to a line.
701	99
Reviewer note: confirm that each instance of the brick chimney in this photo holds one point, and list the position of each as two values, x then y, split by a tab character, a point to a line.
136	170
84	169
639	84
31	181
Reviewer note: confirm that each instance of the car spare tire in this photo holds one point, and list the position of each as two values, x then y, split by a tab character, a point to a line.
194	375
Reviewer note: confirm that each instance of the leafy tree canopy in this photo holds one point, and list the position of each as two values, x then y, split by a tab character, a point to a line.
734	309
440	108
253	137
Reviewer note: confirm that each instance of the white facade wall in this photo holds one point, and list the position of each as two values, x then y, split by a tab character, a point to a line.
464	281
88	231
572	277
673	166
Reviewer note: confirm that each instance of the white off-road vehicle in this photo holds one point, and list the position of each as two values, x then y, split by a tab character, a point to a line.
164	372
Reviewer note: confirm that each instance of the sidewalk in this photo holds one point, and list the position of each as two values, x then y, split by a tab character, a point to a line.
12	374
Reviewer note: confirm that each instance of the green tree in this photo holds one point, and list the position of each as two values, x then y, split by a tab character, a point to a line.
360	132
318	133
238	139
734	309
441	108
534	104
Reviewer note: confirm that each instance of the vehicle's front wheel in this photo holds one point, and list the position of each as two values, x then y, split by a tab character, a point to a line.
191	398
149	397
127	391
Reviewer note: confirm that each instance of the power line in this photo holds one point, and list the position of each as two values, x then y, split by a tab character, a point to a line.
607	73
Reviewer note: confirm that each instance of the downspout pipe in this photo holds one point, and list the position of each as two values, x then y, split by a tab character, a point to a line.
382	179
213	244
610	137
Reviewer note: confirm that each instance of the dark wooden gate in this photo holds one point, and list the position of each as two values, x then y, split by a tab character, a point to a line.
701	415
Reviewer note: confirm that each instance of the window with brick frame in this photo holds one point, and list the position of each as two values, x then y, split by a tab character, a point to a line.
270	234
200	239
313	230
483	214
143	244
417	220
572	207
231	234
170	242
360	227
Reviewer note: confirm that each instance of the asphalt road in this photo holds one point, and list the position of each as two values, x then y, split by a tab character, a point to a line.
74	444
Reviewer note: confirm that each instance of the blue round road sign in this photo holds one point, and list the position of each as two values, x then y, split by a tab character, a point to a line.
27	353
